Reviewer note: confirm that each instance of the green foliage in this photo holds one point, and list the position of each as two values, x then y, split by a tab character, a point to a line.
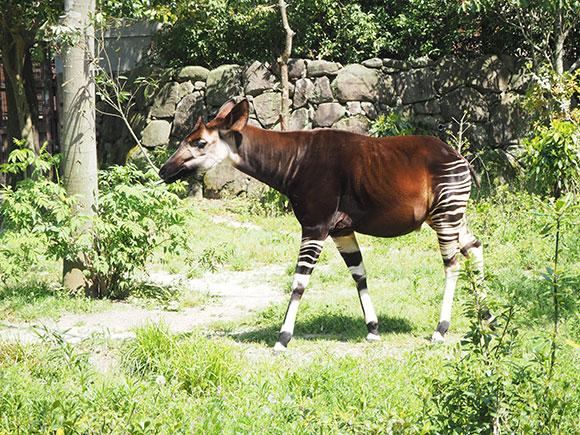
552	158
215	256
135	217
269	202
213	32
197	365
496	381
392	124
223	379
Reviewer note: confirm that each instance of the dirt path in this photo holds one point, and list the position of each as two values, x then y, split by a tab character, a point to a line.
232	296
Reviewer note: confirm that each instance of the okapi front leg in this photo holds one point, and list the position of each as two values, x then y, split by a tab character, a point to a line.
310	250
350	252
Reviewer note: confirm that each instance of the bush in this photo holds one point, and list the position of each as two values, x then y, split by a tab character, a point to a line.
552	158
135	217
392	124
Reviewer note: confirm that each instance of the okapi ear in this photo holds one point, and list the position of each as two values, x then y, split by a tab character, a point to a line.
198	123
225	109
238	116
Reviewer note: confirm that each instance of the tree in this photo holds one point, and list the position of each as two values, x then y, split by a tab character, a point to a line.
283	62
21	21
545	27
78	137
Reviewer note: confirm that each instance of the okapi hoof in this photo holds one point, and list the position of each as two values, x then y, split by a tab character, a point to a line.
373	337
279	348
437	338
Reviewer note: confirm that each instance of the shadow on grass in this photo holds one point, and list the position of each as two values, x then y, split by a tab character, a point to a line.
27	291
327	326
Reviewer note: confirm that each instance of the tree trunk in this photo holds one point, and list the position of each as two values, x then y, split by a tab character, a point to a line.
78	141
283	63
20	89
559	40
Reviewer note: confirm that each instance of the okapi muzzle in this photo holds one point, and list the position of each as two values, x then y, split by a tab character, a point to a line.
340	183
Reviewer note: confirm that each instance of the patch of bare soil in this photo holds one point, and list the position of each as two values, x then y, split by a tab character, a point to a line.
232	295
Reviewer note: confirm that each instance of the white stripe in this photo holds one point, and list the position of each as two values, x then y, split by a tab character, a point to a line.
451	275
300	280
367	305
305	263
358	270
290	319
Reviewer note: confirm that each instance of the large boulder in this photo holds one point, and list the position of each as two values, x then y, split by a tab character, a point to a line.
223	181
322	91
296	68
156	133
267	108
258	78
303	92
184	89
300	119
464	100
490	73
188	110
415	86
193	73
318	68
327	114
356	124
223	83
356	83
165	101
508	121
449	74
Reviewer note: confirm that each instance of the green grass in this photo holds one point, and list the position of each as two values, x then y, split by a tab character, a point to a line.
225	379
32	300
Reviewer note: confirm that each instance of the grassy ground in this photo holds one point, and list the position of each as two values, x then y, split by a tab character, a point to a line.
225	378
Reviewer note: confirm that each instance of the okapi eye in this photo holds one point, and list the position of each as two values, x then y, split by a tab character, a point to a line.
200	143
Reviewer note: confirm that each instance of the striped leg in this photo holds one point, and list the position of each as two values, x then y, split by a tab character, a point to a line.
349	249
447	219
310	250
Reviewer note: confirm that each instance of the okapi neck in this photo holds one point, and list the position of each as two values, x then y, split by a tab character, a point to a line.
271	157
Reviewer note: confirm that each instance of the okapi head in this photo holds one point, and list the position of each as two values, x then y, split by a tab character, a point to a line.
208	144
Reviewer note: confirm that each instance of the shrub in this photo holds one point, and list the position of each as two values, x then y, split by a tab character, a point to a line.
552	158
135	217
392	124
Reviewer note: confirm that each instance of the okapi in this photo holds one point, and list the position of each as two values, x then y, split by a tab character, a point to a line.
339	183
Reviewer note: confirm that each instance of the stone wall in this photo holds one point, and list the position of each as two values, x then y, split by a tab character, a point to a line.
327	94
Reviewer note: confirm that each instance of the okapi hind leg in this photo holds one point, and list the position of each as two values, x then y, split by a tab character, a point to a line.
310	249
448	237
350	252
